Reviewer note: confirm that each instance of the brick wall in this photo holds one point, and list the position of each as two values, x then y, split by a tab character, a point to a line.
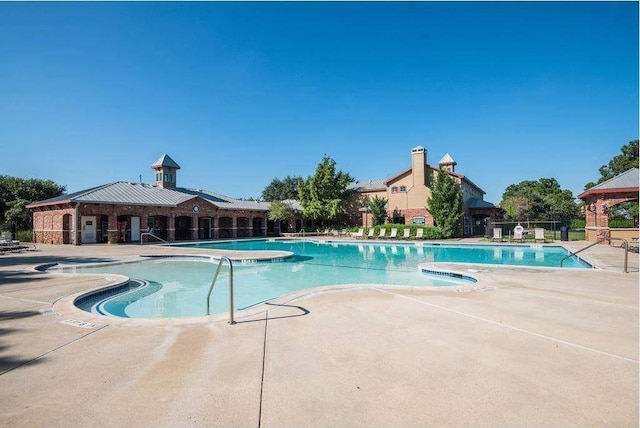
48	221
409	213
48	225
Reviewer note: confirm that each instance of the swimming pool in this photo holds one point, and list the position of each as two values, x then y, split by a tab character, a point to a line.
514	255
178	287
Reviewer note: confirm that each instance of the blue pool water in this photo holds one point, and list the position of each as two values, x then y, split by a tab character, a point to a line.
178	288
514	255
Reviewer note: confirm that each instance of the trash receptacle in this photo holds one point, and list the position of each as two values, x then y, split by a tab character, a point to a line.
564	233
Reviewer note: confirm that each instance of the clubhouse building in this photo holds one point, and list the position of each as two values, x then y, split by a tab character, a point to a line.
408	190
121	212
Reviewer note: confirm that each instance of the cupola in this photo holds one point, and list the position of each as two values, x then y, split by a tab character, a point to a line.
166	170
447	163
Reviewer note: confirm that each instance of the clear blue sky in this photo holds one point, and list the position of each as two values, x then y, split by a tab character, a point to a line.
241	93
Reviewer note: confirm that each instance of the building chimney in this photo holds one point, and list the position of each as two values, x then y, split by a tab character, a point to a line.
419	165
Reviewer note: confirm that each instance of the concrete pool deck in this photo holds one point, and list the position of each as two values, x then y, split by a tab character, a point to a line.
522	347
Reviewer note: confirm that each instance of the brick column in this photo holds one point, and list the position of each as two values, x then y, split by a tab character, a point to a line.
234	227
194	227
112	228
77	229
171	227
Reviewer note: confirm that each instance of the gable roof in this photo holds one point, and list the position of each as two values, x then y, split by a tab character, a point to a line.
165	160
628	181
225	202
479	203
121	193
367	185
401	174
125	193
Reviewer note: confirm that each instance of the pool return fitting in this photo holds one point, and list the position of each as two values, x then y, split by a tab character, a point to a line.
213	282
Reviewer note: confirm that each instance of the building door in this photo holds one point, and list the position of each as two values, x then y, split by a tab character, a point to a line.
135	229
205	228
88	229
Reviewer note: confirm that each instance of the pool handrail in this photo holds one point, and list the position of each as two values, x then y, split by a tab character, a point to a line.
150	233
571	254
625	245
213	282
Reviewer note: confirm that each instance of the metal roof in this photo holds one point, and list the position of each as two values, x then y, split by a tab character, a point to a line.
367	185
294	204
125	193
122	192
447	160
165	160
225	202
479	203
628	179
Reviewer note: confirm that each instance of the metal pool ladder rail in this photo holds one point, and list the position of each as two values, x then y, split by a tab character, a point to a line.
213	282
150	233
581	250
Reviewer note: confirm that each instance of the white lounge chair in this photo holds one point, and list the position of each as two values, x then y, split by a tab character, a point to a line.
406	234
394	233
539	234
419	233
382	234
497	234
370	234
518	233
359	233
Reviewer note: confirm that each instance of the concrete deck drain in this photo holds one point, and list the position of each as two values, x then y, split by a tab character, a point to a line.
76	323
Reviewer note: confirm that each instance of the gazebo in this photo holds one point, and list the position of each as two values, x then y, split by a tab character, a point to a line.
599	199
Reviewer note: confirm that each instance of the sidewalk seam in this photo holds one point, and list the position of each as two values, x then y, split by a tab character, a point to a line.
53	350
264	357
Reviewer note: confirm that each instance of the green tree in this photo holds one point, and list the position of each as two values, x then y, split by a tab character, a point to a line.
279	210
623	162
378	210
17	217
445	204
515	207
16	192
540	200
279	190
323	193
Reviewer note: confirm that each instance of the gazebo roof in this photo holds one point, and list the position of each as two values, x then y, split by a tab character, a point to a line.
625	182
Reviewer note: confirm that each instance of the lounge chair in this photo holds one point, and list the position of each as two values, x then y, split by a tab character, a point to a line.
518	233
394	233
497	234
406	234
370	234
382	234
539	234
12	246
359	233
419	233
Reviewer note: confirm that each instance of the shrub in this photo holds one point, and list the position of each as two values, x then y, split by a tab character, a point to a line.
618	222
24	236
577	223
